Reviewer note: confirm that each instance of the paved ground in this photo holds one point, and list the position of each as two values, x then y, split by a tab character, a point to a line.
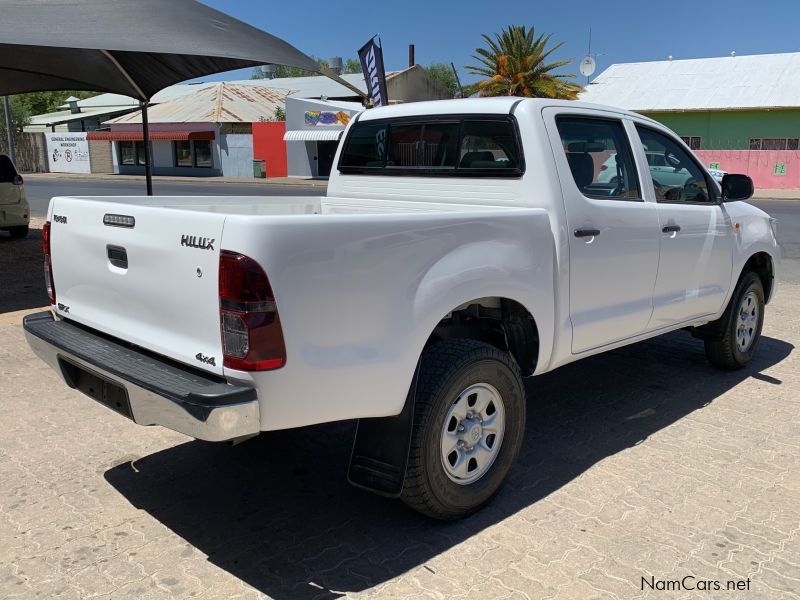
641	463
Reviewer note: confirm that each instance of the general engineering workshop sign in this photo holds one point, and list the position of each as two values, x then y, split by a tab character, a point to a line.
67	152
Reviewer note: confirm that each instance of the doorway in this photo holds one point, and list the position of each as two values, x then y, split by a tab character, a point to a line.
325	154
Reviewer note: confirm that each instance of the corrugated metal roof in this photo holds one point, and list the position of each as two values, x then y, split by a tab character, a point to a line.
153	135
310	135
726	83
64	116
105	100
214	103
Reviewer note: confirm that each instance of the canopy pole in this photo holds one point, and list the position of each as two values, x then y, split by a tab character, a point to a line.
9	130
328	72
148	168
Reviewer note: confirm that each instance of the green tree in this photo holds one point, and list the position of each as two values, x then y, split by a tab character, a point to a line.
19	118
514	63
37	103
443	74
352	65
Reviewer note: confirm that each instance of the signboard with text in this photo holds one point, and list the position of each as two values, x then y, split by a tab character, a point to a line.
67	152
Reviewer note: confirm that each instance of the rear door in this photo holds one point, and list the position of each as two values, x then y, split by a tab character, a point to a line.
145	274
613	231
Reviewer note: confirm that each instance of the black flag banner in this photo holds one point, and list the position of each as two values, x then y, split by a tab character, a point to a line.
371	57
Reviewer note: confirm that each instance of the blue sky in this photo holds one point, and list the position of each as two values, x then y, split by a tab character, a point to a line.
622	30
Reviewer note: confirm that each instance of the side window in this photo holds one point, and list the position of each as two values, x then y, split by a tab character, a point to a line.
676	175
599	157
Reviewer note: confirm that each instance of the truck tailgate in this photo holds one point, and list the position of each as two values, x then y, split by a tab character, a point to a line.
154	284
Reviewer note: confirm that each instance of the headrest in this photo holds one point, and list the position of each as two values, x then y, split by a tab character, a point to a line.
586	147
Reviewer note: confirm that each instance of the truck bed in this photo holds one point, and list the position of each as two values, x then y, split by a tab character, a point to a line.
285	205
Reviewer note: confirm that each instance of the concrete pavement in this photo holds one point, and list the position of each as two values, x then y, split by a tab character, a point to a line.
644	473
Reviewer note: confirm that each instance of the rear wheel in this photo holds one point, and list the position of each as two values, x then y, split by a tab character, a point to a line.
469	423
18	232
742	321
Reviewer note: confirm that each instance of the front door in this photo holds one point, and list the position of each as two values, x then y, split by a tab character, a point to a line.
613	231
694	270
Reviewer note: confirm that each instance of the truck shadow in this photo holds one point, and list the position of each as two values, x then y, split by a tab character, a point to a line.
277	513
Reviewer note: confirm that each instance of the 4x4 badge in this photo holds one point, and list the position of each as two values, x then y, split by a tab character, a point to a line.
209	360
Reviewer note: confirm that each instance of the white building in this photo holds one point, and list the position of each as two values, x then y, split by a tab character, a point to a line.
200	130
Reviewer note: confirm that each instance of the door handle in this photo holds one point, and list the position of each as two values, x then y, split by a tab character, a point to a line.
117	256
671	229
579	233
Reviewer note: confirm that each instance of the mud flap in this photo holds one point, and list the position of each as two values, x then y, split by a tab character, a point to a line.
380	450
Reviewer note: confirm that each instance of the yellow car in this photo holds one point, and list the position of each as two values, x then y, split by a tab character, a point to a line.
14	212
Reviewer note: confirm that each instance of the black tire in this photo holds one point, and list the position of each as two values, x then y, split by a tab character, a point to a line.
725	353
18	232
446	370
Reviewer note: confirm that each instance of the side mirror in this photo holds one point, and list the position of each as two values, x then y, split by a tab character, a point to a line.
736	187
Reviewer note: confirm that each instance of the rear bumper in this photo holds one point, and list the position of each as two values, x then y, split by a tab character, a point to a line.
14	215
154	390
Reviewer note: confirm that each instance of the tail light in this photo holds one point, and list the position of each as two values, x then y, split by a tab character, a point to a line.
252	338
18	180
48	265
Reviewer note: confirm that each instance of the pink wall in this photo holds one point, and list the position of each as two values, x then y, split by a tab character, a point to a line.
758	164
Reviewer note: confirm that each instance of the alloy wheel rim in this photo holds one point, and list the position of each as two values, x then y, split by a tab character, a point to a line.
747	322
472	433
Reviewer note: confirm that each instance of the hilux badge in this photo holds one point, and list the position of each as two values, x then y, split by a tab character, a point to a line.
194	241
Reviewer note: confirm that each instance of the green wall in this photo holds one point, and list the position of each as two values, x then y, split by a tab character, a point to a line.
732	129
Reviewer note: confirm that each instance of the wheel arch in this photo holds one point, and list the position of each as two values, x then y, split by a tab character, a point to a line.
762	264
499	321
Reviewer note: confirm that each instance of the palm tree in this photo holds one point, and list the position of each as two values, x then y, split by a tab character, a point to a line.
514	65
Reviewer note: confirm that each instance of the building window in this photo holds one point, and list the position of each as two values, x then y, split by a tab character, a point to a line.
774	143
692	141
183	153
140	157
202	154
127	153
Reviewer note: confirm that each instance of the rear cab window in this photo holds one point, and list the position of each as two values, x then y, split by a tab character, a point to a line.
446	145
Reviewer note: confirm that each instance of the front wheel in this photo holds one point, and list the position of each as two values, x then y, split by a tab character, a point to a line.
469	423
743	321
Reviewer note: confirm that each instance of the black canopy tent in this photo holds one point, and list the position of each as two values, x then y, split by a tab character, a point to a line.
135	48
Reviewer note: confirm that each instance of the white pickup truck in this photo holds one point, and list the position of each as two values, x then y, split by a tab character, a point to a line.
462	246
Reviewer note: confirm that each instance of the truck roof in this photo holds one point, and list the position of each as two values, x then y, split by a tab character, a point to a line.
501	105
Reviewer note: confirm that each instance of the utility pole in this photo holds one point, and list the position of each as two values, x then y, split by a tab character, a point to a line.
9	130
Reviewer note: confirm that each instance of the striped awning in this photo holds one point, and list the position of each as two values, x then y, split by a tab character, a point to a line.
313	135
136	136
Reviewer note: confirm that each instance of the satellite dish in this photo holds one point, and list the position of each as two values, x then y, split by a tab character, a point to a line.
588	66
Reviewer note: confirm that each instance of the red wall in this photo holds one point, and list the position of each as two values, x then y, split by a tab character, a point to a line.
758	164
268	145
